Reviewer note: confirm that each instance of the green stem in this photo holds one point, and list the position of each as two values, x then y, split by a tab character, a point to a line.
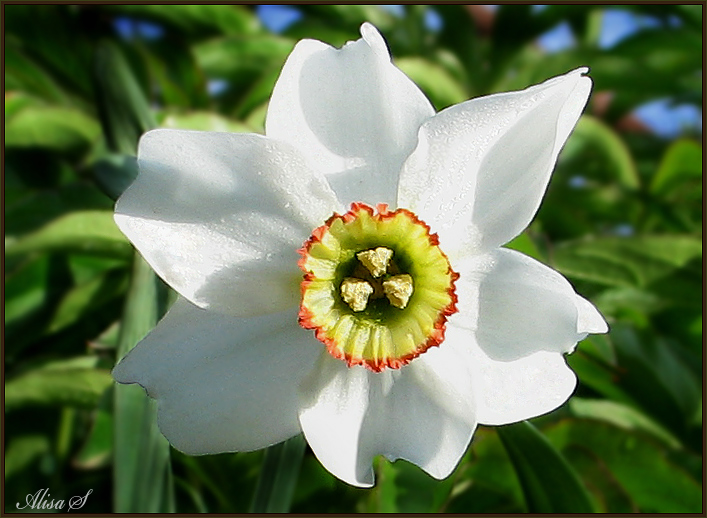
142	478
278	476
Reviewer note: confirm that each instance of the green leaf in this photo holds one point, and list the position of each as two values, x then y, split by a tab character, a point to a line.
621	416
278	476
629	463
24	451
242	58
650	64
215	476
26	289
650	374
318	490
550	485
631	262
16	101
176	76
485	481
524	243
439	85
204	121
87	298
249	65
692	13
122	106
630	303
257	95
86	232
73	382
114	173
599	376
196	20
322	30
383	497
593	133
23	73
256	118
38	208
402	487
657	378
58	39
348	17
97	450
58	129
142	474
85	268
671	50
681	163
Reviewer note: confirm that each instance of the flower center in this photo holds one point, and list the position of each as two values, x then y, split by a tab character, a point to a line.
374	279
377	289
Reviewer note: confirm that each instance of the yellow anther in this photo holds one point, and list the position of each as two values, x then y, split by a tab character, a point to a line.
398	289
355	293
376	260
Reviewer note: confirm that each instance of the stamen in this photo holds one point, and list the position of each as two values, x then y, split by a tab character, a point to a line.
376	260
398	289
355	293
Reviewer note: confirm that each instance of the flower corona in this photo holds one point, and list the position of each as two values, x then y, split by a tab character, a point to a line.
377	289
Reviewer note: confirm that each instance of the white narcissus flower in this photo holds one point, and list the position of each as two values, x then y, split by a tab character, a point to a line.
411	325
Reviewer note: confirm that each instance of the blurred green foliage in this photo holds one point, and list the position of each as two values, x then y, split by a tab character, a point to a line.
622	220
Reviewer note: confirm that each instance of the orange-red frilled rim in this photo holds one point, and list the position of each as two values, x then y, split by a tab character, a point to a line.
384	333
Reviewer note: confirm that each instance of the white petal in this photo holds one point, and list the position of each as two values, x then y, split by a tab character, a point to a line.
423	412
510	391
589	319
221	215
516	306
222	383
481	167
351	112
